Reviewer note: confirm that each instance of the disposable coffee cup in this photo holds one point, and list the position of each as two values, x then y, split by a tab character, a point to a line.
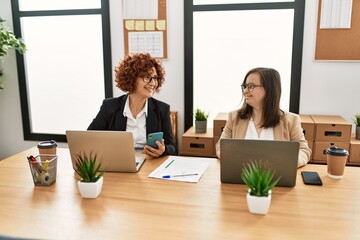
47	147
336	161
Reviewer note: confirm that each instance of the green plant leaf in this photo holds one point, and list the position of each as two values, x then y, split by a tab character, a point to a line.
9	40
259	178
87	167
200	115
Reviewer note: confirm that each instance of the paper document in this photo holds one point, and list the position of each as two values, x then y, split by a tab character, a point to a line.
150	42
181	169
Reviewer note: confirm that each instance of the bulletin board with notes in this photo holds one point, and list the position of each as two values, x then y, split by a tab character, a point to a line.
145	27
338	43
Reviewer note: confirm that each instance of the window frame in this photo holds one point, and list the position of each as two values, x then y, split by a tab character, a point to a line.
189	8
25	111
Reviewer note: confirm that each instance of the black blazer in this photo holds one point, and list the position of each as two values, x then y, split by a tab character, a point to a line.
111	117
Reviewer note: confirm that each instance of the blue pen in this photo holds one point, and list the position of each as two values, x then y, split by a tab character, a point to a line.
180	175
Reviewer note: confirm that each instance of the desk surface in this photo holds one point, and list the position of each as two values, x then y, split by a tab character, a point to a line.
133	206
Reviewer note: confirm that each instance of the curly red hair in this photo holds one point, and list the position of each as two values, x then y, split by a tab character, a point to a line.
134	66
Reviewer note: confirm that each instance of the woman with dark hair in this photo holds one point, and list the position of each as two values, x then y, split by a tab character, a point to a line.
140	75
260	116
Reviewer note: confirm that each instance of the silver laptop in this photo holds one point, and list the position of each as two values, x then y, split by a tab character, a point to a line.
282	157
114	148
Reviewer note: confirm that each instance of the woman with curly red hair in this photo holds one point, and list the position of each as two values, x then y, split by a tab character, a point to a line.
140	75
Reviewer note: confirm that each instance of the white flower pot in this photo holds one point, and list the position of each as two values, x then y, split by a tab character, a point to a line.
90	189
258	205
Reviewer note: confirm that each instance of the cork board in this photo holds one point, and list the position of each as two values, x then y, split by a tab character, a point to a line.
339	44
147	35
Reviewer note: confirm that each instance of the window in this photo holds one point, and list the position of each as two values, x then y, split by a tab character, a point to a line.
66	72
224	41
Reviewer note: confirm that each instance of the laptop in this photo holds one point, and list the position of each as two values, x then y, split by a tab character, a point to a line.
282	157
114	148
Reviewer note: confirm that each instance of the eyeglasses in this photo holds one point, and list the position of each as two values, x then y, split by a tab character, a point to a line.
250	86
149	79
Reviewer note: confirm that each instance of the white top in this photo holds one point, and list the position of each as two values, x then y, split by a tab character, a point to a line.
137	125
265	134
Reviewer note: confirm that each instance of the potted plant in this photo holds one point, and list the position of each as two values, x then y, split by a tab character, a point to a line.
91	180
200	120
260	179
8	40
357	123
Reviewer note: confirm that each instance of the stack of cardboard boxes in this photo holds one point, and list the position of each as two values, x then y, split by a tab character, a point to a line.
203	144
329	131
320	131
198	144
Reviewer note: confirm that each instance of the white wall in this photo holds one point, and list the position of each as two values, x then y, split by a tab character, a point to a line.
172	91
328	88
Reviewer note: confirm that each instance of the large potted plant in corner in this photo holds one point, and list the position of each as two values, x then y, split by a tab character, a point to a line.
200	121
91	180
258	176
8	40
357	123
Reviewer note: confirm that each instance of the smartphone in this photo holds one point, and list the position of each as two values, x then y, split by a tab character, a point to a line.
311	178
153	137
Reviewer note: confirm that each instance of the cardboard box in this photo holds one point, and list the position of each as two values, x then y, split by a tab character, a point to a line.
198	144
354	154
319	152
219	123
331	129
308	126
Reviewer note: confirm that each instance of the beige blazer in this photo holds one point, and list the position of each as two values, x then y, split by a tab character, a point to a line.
289	129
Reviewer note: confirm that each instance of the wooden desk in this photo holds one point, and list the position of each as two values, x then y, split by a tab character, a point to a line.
133	206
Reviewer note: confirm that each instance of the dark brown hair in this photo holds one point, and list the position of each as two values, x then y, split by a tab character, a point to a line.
271	82
134	66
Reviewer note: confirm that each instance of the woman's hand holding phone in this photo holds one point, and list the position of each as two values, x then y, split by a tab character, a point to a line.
153	137
155	145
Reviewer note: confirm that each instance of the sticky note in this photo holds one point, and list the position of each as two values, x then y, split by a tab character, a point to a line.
161	25
149	25
139	25
130	24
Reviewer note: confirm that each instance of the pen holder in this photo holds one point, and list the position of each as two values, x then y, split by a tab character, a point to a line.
43	170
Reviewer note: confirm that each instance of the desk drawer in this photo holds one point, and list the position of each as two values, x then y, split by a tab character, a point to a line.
197	145
320	148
